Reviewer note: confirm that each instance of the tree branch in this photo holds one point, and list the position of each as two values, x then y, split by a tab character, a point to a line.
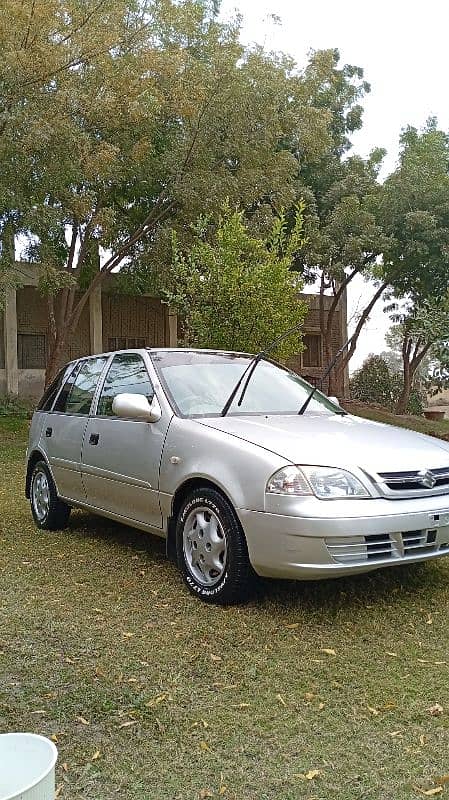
364	316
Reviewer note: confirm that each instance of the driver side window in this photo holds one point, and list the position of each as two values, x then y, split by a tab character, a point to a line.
127	374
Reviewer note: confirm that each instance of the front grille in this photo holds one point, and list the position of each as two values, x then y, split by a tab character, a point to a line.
383	546
374	547
414	480
416	542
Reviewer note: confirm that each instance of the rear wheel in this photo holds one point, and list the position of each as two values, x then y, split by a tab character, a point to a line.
48	511
212	550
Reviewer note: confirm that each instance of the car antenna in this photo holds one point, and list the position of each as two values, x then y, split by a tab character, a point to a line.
326	373
252	366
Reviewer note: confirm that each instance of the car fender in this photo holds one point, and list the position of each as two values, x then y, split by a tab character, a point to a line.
238	468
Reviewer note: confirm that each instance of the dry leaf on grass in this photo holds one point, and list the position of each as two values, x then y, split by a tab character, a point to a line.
128	723
96	755
308	776
281	700
83	720
430	792
436	710
329	651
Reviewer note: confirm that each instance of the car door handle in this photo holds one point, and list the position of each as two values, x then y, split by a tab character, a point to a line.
93	438
48	432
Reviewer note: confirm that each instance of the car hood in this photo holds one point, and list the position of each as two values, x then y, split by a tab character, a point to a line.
337	441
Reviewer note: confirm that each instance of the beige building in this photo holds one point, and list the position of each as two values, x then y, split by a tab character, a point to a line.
113	321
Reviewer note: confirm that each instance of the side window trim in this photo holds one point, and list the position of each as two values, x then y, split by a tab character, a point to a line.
74	374
102	381
68	369
100	384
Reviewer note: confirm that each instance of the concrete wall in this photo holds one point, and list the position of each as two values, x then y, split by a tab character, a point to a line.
110	321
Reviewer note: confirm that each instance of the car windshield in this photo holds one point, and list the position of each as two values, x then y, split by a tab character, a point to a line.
198	384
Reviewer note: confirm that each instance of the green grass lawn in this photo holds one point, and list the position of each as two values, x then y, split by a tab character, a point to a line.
150	694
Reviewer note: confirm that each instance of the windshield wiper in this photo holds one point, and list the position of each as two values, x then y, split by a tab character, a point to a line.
325	374
251	367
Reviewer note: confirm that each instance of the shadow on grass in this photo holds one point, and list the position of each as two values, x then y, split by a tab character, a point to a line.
84	524
388	586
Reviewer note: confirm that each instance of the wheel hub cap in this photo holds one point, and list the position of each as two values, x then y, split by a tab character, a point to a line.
40	495
205	546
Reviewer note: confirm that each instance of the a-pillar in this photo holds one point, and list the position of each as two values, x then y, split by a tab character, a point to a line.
96	321
10	341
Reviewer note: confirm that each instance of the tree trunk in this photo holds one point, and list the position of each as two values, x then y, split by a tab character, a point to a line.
54	360
404	397
336	376
411	362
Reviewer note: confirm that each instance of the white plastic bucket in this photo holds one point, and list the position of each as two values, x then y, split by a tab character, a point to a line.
27	767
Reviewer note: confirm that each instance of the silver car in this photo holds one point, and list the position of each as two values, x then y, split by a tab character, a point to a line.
207	449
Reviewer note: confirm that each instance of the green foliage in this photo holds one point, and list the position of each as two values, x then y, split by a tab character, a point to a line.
373	382
11	406
414	213
377	382
233	291
421	335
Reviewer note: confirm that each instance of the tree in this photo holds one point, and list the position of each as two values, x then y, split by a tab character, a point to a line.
378	381
414	214
118	143
341	195
234	291
420	331
373	382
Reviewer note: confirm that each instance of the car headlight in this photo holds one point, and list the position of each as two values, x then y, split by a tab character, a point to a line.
327	483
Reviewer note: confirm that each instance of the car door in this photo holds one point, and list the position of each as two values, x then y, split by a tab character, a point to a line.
121	457
63	430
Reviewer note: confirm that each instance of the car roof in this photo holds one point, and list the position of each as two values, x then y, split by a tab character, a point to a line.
161	350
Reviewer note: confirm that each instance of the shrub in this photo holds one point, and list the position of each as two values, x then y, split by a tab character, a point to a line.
11	406
375	382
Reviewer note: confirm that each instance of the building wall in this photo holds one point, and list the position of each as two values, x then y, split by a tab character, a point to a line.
124	322
307	367
127	319
114	321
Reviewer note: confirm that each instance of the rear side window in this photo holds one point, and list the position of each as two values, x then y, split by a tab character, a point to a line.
127	373
51	391
79	389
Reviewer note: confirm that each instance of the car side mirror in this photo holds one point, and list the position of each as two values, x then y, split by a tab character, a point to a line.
136	406
334	400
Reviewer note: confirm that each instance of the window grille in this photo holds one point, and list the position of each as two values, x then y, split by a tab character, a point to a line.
31	350
311	356
125	343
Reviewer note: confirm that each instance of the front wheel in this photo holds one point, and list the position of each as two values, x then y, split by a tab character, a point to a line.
212	550
48	511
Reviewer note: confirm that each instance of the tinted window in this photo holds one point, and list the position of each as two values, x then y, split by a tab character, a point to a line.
78	391
51	391
127	373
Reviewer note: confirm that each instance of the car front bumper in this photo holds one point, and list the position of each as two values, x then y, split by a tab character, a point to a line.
332	538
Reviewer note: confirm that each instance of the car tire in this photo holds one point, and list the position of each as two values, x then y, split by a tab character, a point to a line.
211	549
49	512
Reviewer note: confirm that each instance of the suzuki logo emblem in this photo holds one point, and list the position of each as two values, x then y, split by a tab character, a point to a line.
427	479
